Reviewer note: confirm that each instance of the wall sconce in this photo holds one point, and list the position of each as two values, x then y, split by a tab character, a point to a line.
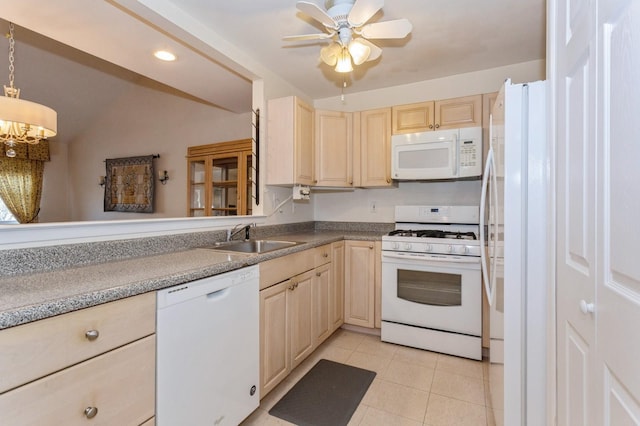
102	180
163	177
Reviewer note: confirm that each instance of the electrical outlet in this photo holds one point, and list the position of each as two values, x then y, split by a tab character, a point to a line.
373	206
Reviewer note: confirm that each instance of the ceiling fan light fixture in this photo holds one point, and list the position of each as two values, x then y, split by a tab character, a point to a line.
359	52
344	62
329	54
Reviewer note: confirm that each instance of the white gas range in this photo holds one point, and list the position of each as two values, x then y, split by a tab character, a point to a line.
431	280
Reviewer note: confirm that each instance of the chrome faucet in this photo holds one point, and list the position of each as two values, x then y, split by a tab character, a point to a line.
234	231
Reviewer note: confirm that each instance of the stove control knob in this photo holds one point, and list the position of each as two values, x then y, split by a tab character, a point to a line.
428	248
463	249
407	246
450	248
396	246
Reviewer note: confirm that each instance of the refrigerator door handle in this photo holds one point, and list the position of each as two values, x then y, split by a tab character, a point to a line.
483	200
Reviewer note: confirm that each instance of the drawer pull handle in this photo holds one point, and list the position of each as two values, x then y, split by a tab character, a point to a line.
318	274
90	412
325	255
92	335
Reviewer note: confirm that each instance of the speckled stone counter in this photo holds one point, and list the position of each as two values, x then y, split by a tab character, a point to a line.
38	295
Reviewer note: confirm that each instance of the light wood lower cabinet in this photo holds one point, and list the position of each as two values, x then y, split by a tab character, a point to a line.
300	307
274	336
116	388
336	286
96	364
361	258
321	301
297	314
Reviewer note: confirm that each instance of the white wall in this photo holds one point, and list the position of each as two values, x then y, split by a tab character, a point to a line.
454	86
145	121
355	206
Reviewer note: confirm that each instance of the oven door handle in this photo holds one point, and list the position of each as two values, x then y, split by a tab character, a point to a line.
430	258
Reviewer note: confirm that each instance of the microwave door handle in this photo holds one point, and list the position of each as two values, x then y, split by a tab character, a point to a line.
456	148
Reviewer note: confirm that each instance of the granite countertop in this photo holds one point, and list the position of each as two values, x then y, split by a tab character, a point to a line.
30	297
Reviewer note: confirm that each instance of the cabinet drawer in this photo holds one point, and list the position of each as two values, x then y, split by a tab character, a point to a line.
33	350
277	270
120	384
322	255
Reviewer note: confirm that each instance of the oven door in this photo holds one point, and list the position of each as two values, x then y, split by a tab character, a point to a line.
432	291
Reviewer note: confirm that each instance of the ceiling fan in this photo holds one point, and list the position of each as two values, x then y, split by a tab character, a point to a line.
345	22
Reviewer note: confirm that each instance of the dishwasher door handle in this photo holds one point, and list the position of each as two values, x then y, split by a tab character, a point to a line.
219	294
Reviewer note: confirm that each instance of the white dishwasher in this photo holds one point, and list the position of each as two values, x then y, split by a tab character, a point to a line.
208	350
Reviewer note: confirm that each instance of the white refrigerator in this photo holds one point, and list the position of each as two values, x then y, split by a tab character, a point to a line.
515	188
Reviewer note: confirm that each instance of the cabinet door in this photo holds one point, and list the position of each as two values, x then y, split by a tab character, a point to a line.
334	148
336	287
321	294
289	153
359	283
374	148
226	190
413	118
300	309
304	149
197	187
274	341
458	112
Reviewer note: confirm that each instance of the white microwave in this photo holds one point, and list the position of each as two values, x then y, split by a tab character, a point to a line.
443	154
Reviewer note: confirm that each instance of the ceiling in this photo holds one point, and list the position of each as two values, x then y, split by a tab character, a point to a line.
223	45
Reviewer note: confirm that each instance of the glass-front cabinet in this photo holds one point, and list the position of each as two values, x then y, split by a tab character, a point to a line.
220	179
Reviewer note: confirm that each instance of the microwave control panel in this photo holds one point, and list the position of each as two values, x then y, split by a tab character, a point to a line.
468	153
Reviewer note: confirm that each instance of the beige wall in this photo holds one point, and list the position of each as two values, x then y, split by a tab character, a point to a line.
141	121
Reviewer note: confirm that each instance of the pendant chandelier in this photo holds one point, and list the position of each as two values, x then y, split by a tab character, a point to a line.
22	121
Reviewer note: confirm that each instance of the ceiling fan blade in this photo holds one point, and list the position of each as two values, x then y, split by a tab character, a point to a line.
303	37
363	10
314	11
375	50
398	28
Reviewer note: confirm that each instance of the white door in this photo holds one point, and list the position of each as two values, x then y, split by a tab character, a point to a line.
595	62
618	229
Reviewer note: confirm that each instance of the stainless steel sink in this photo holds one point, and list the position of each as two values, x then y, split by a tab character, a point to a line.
253	246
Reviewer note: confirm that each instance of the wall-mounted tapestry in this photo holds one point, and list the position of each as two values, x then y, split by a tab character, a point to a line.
129	184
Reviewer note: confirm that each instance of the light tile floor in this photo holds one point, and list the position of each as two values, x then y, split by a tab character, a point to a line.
412	386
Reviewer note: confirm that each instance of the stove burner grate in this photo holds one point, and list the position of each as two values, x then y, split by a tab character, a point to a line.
433	233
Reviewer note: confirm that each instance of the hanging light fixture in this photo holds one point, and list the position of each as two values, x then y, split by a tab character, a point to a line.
22	121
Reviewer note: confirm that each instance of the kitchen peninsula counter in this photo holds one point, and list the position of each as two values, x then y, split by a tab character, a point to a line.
33	296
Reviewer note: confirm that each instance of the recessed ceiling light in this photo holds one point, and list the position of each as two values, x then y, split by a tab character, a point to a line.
164	55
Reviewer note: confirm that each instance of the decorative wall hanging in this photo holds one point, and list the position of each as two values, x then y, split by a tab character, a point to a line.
129	184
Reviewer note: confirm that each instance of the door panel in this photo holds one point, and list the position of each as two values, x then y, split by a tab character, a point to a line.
576	240
598	276
618	283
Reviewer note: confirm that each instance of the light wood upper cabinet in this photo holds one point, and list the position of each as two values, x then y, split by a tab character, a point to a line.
412	118
290	142
219	179
334	148
438	115
359	293
372	148
458	112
